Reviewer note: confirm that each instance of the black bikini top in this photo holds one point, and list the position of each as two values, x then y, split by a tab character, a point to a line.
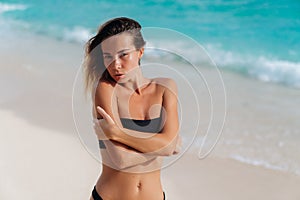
147	125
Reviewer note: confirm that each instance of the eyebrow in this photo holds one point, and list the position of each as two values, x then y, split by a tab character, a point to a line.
121	51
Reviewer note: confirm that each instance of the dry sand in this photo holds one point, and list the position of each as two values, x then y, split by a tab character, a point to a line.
38	163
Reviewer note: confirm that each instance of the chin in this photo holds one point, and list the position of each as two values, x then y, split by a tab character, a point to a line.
122	80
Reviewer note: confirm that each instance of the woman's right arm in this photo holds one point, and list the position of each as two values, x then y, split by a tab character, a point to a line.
121	155
164	143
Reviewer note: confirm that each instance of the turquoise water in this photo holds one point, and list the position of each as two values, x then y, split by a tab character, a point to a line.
257	38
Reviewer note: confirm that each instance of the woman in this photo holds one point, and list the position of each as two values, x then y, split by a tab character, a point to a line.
137	117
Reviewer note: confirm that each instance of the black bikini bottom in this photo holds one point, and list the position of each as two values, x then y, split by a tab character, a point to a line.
96	196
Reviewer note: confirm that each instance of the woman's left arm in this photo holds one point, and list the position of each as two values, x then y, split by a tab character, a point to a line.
163	143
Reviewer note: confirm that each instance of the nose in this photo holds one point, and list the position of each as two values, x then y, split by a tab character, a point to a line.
116	63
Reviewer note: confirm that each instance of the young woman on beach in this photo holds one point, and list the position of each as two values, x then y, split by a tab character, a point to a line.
135	118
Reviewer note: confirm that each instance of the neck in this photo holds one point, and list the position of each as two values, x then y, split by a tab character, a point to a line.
136	80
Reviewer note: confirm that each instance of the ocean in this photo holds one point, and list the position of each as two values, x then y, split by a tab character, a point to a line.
256	39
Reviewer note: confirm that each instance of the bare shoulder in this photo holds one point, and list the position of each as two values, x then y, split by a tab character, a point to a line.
103	88
103	85
166	83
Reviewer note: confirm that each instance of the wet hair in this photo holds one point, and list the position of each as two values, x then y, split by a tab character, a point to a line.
93	66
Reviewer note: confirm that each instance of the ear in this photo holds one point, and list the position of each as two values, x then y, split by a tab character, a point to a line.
141	52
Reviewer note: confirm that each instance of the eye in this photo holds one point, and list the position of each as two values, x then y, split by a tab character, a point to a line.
107	57
123	55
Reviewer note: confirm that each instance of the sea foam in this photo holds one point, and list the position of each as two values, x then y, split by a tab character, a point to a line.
6	7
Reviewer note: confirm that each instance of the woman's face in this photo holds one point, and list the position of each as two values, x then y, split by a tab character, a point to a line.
120	56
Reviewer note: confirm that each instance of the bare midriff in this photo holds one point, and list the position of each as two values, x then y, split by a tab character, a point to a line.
116	185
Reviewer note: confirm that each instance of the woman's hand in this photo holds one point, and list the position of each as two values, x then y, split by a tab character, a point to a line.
107	125
178	145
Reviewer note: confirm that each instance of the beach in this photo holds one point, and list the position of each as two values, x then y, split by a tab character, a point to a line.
45	164
43	157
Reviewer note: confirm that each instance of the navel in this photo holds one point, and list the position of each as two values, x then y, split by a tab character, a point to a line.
139	185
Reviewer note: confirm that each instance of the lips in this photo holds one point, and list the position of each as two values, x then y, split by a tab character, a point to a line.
119	76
